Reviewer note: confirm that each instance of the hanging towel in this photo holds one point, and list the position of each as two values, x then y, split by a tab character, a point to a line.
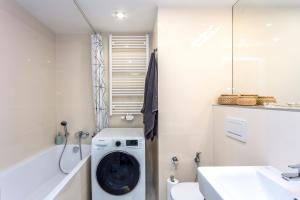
150	107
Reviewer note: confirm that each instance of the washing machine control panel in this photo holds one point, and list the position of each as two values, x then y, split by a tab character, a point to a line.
132	143
122	143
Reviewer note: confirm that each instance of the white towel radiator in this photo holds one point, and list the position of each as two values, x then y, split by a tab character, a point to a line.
128	63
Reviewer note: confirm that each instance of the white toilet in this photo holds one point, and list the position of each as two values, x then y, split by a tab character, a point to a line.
186	191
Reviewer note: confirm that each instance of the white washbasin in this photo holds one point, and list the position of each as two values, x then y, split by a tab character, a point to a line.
246	183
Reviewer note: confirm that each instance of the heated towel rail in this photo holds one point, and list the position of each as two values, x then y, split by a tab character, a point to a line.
128	62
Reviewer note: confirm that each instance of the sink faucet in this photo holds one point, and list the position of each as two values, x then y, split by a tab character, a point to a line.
292	176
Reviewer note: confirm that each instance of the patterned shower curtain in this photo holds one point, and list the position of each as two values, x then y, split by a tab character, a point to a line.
98	83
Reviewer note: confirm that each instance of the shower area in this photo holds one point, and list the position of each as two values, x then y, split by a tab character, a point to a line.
110	72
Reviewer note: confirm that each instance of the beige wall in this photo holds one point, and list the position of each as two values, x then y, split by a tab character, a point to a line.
27	85
193	49
266	41
272	138
74	98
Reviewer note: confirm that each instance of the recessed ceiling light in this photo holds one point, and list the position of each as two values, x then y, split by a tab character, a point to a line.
120	15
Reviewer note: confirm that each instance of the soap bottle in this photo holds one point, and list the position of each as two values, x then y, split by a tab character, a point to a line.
59	139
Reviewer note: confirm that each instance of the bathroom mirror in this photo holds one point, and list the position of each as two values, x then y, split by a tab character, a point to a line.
263	61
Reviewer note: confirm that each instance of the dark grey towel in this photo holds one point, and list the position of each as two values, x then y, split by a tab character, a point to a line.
150	107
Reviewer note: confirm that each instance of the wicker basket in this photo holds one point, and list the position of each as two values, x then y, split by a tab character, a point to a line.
263	100
247	100
228	99
249	95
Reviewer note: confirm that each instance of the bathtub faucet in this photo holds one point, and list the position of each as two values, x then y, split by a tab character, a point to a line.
83	134
64	124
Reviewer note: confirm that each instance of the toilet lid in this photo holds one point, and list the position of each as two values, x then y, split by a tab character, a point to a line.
184	191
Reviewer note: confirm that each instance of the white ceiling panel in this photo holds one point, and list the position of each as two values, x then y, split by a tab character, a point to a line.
62	16
194	3
141	14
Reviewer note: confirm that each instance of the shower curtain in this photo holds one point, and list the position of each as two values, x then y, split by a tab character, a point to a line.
100	108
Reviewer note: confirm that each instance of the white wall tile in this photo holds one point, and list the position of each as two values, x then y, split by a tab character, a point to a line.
272	138
193	50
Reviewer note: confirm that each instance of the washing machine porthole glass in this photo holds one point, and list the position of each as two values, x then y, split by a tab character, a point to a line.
118	173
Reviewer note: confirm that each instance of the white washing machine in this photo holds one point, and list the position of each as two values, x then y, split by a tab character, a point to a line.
118	164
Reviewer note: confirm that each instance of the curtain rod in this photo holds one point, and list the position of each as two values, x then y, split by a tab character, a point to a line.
84	16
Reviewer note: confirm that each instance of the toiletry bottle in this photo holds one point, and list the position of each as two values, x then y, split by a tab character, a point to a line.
59	139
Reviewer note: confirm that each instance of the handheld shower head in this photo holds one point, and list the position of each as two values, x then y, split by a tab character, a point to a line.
64	124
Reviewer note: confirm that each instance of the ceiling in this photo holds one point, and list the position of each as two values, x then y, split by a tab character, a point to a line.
62	16
269	3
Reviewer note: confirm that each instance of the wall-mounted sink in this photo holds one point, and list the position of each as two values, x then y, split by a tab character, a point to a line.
246	183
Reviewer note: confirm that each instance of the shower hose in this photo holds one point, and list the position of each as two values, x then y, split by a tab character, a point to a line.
60	158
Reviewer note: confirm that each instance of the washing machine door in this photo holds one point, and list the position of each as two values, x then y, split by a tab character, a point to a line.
118	173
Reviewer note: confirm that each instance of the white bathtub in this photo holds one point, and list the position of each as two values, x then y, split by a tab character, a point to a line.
38	177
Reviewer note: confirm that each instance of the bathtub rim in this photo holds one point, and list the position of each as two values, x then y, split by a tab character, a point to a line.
55	192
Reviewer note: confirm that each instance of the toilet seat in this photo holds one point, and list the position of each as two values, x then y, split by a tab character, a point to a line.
184	191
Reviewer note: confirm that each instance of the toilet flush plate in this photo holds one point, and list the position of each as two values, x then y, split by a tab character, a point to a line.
236	128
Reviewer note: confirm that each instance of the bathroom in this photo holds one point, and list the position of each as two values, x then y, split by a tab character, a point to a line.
226	78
